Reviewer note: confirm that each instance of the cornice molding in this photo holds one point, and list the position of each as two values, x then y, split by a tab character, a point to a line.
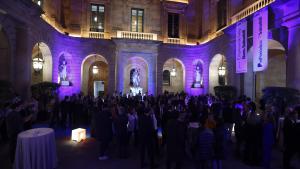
291	21
174	7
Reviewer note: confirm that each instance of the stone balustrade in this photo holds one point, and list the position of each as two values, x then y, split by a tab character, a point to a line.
96	35
174	40
250	10
136	35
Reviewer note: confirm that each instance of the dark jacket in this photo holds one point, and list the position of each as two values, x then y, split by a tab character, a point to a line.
220	141
205	145
103	125
175	139
120	124
146	129
14	124
289	133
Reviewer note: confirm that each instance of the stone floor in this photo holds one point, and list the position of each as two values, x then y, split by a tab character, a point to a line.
83	155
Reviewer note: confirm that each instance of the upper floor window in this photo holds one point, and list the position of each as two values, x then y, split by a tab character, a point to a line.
97	18
222	13
39	2
137	20
173	25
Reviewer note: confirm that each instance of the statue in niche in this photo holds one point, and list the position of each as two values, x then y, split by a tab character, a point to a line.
198	76
135	78
63	73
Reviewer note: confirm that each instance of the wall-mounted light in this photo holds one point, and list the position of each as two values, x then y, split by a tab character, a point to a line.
222	71
173	71
38	61
95	70
37	64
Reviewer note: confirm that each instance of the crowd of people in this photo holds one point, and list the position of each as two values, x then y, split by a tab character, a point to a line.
176	125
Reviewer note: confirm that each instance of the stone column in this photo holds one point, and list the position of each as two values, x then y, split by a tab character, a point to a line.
293	56
22	64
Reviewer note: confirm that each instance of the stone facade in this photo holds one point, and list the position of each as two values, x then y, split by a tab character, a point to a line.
22	28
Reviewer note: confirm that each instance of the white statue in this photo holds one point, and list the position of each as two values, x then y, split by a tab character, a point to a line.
63	71
198	74
136	78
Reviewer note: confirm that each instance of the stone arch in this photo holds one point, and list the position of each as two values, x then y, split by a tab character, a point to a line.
5	58
214	65
140	64
177	83
274	75
45	74
86	69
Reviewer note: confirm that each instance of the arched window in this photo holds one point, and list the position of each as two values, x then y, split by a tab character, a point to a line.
166	78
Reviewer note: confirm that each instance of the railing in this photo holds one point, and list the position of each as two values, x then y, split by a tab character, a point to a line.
173	40
180	1
250	10
239	16
136	35
96	35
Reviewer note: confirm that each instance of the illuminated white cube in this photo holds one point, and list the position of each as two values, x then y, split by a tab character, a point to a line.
78	134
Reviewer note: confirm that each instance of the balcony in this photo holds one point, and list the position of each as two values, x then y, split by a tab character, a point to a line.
174	40
136	35
250	10
96	35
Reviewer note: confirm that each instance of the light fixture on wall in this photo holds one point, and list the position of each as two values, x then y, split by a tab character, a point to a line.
95	70
222	72
173	71
39	2
38	61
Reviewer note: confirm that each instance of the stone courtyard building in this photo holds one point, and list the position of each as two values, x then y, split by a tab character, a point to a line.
166	40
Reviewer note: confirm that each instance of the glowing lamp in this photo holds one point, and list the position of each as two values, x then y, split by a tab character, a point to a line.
173	72
222	71
78	134
95	70
37	64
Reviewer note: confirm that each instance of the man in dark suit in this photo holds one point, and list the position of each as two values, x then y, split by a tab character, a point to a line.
64	109
14	125
175	140
120	123
289	133
147	136
103	130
